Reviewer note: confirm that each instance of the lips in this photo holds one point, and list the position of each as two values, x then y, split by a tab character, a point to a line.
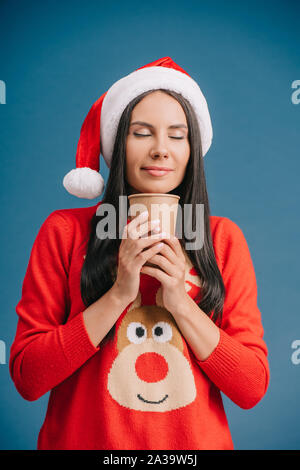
162	168
157	171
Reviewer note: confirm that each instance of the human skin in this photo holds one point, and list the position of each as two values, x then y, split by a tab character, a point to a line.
157	146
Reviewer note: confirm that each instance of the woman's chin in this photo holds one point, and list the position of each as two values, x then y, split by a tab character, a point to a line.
155	187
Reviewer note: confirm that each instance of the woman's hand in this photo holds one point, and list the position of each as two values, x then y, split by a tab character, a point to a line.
172	261
132	257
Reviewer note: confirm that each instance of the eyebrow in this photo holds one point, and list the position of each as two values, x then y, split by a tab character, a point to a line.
174	126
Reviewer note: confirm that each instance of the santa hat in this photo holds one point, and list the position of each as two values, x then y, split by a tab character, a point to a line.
100	126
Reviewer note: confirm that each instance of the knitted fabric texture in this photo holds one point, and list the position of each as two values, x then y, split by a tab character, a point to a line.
145	388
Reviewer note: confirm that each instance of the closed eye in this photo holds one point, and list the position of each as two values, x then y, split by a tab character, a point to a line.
149	135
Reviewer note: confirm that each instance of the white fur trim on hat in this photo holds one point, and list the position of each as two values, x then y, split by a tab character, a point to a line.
124	90
84	182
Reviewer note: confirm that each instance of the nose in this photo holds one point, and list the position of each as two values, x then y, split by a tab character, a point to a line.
151	367
160	149
158	154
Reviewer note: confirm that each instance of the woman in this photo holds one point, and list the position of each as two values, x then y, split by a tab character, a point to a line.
136	356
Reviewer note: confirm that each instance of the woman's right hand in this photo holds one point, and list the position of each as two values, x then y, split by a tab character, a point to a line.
132	257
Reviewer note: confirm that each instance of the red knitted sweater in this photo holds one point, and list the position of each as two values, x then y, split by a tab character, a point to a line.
144	389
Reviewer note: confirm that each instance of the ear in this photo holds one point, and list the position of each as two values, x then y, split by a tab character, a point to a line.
158	298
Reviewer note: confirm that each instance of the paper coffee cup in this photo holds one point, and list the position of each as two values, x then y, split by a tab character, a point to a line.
159	206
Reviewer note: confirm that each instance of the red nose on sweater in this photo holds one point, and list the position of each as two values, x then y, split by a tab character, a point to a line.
151	367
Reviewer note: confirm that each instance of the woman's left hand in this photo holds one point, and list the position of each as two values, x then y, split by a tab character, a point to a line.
172	261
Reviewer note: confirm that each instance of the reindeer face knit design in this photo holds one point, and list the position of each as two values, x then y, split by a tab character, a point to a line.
151	350
144	388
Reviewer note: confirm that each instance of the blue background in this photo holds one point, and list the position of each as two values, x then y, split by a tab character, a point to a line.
58	57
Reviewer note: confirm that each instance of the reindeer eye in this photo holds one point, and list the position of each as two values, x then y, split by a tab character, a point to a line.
162	332
136	332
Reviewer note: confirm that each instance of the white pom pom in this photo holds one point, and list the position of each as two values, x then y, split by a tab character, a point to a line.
84	182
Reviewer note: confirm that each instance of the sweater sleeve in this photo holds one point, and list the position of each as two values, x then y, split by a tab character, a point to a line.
47	347
238	366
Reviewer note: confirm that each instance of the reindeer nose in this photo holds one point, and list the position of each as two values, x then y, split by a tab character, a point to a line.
151	367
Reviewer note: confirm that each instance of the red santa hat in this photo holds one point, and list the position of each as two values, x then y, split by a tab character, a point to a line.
100	126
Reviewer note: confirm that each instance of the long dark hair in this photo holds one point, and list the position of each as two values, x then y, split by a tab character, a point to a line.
98	274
